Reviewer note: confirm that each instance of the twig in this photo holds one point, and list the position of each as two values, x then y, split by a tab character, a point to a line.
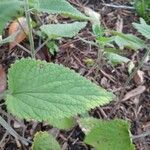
30	29
22	47
134	137
119	6
44	43
13	132
4	136
108	76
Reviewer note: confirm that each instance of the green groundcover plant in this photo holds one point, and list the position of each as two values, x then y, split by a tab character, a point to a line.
112	43
143	8
49	92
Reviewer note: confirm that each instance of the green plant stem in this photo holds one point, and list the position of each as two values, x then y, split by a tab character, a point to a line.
27	13
88	42
12	131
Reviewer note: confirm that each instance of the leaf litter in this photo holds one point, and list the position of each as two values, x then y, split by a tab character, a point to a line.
113	78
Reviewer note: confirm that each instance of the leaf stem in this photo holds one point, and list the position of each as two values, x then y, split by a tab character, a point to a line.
27	13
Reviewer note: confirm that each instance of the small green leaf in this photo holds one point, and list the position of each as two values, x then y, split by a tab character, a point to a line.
107	135
46	91
53	48
54	31
105	41
45	141
8	9
98	30
129	41
143	28
57	7
115	58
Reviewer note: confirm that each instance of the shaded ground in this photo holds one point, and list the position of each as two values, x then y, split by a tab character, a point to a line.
73	53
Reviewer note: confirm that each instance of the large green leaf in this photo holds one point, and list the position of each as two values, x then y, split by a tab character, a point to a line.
8	9
107	135
46	91
57	7
143	28
54	31
45	141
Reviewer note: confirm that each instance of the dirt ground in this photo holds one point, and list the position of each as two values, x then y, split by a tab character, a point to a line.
73	53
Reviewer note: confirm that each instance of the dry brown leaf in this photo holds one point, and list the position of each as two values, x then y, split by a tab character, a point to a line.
3	80
20	26
119	24
16	125
139	77
137	91
104	82
146	126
